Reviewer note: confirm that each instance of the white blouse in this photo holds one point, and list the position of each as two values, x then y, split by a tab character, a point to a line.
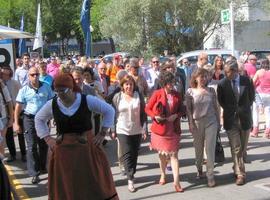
128	119
94	104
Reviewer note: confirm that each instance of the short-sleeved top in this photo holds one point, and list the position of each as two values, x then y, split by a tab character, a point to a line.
6	95
46	79
21	75
34	99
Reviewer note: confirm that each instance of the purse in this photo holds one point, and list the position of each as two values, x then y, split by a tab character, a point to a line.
219	152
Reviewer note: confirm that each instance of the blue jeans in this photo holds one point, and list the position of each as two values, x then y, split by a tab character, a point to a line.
36	148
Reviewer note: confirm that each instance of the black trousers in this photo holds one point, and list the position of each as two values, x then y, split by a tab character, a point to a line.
10	140
130	145
36	148
97	119
11	143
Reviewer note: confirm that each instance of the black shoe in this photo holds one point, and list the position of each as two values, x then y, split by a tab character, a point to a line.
11	159
23	158
104	142
35	179
43	171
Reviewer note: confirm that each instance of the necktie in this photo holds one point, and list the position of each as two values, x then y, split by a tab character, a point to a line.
235	90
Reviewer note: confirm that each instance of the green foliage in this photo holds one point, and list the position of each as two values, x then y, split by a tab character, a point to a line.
12	10
141	26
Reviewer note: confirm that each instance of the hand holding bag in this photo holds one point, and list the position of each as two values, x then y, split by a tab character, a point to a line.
219	153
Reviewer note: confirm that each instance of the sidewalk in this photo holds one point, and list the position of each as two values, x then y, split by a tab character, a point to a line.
147	176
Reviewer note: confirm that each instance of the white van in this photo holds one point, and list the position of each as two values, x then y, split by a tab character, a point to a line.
192	56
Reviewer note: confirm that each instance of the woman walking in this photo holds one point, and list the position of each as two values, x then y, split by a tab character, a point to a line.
203	119
262	84
78	167
131	123
164	107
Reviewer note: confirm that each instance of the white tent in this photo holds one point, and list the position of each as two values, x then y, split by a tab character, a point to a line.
11	33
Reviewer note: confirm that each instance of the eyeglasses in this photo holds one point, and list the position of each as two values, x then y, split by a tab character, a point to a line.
36	74
61	90
155	61
102	68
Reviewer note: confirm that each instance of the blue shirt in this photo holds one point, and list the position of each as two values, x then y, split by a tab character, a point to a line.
46	79
34	99
21	75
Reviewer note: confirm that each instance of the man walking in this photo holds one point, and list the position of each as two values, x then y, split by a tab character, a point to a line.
32	96
235	95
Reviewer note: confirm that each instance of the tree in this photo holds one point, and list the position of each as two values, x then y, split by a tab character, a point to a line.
12	10
152	26
96	16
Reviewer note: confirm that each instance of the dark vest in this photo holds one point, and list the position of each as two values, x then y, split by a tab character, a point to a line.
79	122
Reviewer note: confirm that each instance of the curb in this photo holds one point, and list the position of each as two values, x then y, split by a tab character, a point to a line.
17	190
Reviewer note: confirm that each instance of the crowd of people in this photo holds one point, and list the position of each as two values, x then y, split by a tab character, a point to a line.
88	99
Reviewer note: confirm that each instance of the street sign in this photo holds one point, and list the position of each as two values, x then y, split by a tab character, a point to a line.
225	16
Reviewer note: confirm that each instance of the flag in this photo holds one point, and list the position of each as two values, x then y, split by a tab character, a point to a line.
38	37
22	45
85	23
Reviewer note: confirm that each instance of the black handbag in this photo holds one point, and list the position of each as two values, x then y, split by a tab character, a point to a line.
219	153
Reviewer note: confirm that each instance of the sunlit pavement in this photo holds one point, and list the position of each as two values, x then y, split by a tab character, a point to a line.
147	176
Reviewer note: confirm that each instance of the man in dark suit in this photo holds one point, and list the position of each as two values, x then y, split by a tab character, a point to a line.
235	95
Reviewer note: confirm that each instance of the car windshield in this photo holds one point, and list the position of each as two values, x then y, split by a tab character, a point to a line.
261	54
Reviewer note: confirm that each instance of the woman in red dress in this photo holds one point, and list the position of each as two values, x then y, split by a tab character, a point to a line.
164	107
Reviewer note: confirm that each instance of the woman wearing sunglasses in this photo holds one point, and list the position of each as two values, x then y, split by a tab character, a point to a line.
78	167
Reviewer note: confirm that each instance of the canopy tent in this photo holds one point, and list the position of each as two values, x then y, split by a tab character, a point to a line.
11	33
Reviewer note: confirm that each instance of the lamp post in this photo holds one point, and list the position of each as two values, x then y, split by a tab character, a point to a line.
58	39
72	33
91	41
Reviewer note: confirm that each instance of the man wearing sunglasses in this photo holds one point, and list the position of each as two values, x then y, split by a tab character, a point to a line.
32	97
152	73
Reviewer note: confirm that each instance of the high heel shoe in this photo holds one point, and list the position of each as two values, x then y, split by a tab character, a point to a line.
178	188
162	181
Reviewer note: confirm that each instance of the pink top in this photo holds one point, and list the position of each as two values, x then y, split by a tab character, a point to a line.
262	81
53	69
250	69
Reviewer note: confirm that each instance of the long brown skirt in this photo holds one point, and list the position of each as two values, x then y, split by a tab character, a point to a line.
79	171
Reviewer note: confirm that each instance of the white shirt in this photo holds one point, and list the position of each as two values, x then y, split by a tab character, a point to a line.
7	97
151	76
128	119
94	104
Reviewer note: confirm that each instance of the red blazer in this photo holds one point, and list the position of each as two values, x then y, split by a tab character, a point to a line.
153	108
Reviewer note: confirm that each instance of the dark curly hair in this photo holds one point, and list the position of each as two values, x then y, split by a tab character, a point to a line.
166	77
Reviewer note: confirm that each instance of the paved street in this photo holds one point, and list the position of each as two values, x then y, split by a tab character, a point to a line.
147	176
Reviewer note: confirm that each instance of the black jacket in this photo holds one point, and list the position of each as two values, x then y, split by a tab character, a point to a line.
232	109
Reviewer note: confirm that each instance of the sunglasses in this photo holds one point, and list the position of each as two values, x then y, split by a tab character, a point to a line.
36	74
155	61
62	90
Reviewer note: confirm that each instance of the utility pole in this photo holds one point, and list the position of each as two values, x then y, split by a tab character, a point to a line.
232	27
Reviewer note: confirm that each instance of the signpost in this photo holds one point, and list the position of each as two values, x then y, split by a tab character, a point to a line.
226	18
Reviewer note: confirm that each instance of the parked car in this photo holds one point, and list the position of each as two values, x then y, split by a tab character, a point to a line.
110	56
260	54
192	56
